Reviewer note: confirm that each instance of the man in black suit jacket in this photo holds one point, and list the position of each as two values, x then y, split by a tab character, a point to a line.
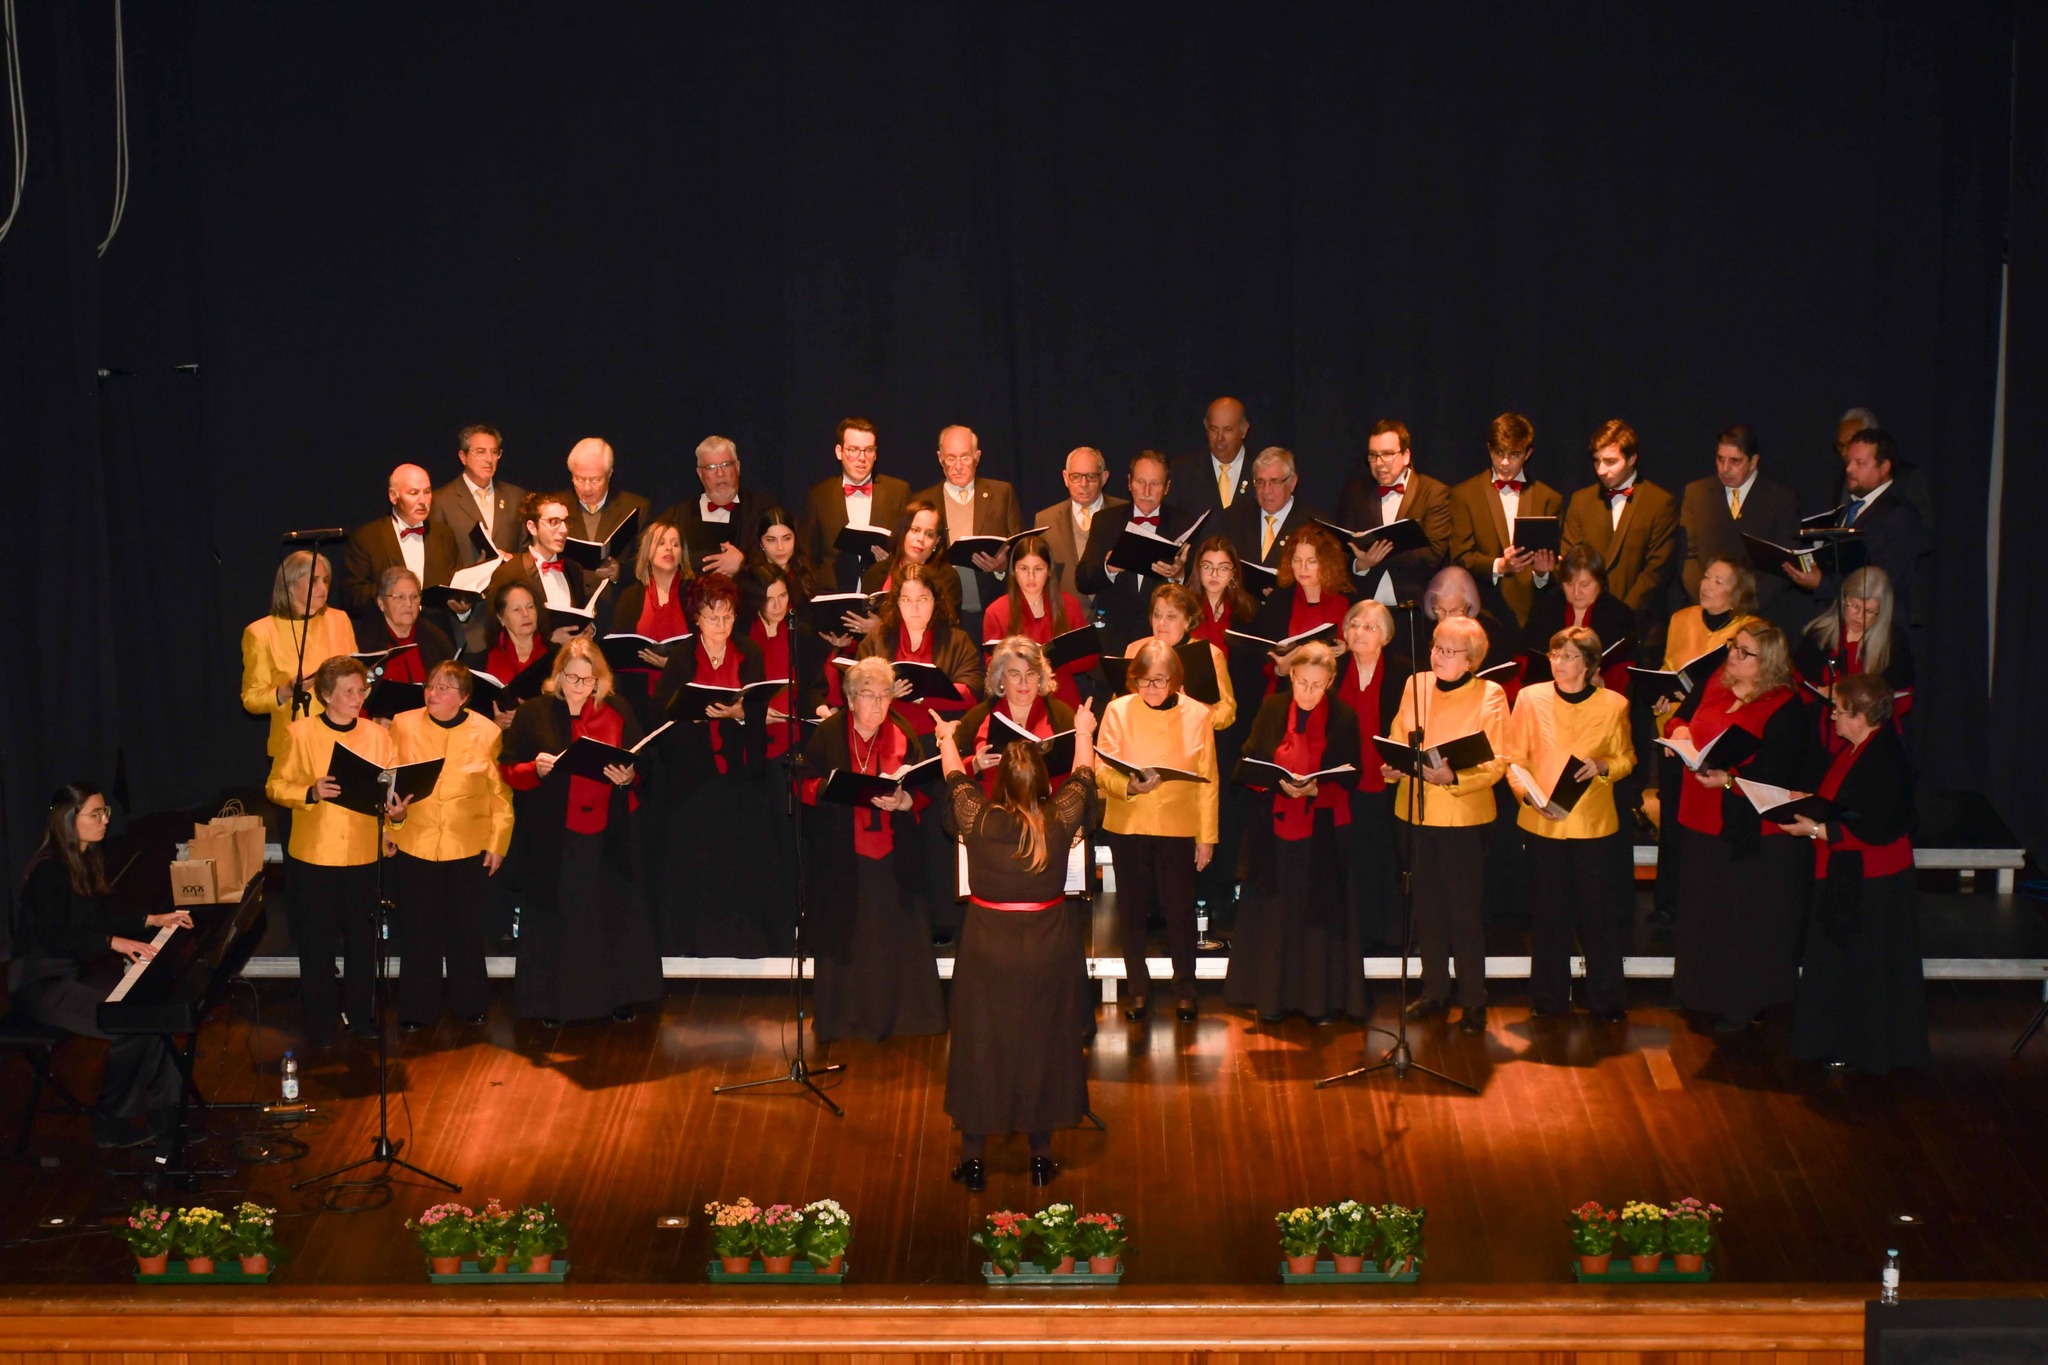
973	506
1123	597
1259	525
718	523
1715	513
1633	524
834	503
600	508
1485	509
1225	467
461	503
1891	528
408	536
553	580
1391	489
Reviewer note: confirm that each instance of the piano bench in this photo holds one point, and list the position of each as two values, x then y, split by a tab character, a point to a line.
37	1044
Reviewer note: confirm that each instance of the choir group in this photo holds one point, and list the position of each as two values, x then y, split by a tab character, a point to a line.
1325	734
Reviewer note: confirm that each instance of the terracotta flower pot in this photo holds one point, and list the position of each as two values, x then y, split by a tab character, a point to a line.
255	1265
778	1265
540	1264
1596	1265
199	1265
834	1266
736	1265
446	1265
1302	1265
1688	1264
153	1265
1064	1267
1102	1265
1348	1265
497	1265
1646	1265
1407	1264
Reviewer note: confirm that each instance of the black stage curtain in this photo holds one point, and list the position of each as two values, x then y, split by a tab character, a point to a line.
371	224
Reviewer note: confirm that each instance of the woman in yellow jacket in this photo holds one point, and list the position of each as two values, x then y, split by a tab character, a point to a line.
1447	849
1579	860
331	861
1160	833
270	646
452	843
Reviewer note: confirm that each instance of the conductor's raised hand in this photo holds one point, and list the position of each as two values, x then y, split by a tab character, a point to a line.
942	729
1084	719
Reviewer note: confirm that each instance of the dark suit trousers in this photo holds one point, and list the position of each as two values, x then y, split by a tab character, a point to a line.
1153	868
332	912
1583	887
441	912
1450	878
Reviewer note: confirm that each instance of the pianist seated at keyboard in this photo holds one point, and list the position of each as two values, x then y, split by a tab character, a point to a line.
71	946
331	860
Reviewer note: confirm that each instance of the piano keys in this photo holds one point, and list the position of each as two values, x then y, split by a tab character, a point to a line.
172	991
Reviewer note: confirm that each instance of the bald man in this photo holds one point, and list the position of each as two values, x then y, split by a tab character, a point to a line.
600	508
1220	477
973	506
407	536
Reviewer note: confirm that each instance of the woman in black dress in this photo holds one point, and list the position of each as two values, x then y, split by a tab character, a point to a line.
69	949
865	875
586	946
1297	948
1862	999
1869	638
1018	1062
1370	677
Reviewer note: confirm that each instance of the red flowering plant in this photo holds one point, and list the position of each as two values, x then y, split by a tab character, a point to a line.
446	1230
1002	1238
777	1229
1592	1226
1101	1234
147	1229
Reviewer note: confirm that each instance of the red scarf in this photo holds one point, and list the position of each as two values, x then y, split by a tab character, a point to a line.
406	667
663	620
590	798
1065	617
775	663
1303	615
1213	625
725	675
1699	806
873	835
1038	722
502	664
1365	704
1300	750
1879	860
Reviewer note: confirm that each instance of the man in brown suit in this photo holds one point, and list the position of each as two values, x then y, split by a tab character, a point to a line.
1070	524
857	495
1634	525
1736	501
1391	489
407	536
1484	509
461	503
973	506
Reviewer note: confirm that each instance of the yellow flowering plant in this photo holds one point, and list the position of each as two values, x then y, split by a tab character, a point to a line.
1302	1229
201	1232
1642	1228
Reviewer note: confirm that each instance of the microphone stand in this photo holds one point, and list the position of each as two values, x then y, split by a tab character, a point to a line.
1398	1059
302	700
800	1070
383	1151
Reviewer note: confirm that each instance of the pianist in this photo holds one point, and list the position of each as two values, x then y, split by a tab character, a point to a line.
67	937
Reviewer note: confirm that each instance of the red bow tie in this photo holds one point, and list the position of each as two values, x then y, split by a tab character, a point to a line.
1151	519
862	489
1503	485
551	566
405	531
1387	489
1627	492
725	506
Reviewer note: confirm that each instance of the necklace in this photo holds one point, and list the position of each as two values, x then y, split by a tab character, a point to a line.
872	759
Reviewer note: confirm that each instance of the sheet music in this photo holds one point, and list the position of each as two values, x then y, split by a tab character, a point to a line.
136	969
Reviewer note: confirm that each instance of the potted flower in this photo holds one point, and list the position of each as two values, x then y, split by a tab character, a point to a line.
1102	1238
1399	1232
252	1238
1689	1233
537	1238
1001	1239
496	1237
775	1236
1592	1226
1059	1238
1351	1232
1642	1232
1301	1237
199	1234
147	1232
446	1234
733	1227
827	1233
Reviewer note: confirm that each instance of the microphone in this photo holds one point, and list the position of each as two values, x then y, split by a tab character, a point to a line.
315	537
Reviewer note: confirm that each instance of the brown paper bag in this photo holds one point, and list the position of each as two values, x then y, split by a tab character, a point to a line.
235	844
192	882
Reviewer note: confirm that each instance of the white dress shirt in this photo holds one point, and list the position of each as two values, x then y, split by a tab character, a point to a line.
706	512
486	505
1084	520
554	584
412	549
1616	506
1740	491
1867	499
860	506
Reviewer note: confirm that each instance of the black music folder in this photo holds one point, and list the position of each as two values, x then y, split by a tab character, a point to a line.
589	757
1403	535
1198	670
1257	772
1282	646
862	541
1133	769
388	698
960	554
844	787
1723	751
827	611
621	649
1564	793
928	682
1678	682
1137	549
362	782
1466	751
1539	533
692	700
1057	748
591	553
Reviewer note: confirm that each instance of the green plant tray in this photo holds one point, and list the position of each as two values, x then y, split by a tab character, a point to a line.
1032	1273
470	1274
1619	1273
800	1272
1326	1273
224	1272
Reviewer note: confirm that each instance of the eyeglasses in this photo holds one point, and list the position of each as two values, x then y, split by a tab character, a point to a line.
1446	651
856	450
97	813
1085	476
1738	652
404	599
579	679
718	468
967	458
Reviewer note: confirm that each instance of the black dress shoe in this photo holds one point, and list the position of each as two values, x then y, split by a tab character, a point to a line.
1611	1016
624	1014
1419	1010
974	1175
1473	1020
1043	1169
1185	1012
1136	1010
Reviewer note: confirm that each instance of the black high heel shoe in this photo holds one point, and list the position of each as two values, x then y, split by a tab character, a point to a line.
974	1175
1043	1169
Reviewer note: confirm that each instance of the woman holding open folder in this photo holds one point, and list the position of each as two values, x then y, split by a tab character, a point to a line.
1313	589
1370	674
769	599
1741	883
1297	948
586	948
1035	608
1568	744
270	645
1174	610
864	872
518	645
1161	832
331	861
1020	702
1867	639
652	605
919	538
1447	846
1226	606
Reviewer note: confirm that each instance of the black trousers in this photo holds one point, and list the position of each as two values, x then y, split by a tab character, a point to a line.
1155	869
1450	878
139	1074
333	912
441	912
1583	888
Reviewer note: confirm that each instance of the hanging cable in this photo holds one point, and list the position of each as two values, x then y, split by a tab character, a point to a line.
120	130
17	110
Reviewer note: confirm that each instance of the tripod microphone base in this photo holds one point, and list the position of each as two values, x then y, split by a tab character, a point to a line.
799	1073
1400	1061
383	1152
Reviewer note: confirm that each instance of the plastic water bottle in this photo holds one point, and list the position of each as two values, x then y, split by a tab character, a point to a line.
291	1082
1888	1283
